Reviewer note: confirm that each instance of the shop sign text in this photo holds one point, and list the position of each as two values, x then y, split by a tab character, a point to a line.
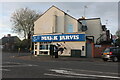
59	38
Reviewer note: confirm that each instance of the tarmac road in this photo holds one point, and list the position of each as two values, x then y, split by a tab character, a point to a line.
25	66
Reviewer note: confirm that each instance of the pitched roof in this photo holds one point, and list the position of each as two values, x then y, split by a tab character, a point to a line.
10	39
0	41
61	11
88	19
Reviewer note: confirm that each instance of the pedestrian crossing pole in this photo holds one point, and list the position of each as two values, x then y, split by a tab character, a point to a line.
31	42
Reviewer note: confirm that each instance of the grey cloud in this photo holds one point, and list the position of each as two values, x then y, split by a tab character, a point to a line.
104	10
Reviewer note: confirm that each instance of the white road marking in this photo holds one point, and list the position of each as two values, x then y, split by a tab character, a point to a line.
11	62
31	65
77	74
64	75
4	70
15	64
89	71
113	64
23	65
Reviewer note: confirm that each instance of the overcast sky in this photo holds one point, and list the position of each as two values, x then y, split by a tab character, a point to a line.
107	11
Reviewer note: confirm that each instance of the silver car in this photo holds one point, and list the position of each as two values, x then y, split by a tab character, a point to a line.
111	53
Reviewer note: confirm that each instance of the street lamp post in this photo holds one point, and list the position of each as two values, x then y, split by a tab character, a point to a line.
31	42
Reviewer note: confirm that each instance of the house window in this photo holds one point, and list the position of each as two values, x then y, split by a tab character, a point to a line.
84	22
79	28
70	28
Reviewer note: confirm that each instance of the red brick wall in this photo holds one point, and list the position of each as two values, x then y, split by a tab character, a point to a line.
98	50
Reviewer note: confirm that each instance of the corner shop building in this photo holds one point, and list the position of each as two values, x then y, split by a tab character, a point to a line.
73	44
57	27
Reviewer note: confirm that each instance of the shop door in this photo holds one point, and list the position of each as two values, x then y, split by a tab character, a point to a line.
75	53
89	50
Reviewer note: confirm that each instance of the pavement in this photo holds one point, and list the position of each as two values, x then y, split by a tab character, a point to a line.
60	58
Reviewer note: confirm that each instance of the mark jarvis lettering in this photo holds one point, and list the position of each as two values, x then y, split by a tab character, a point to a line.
59	38
70	37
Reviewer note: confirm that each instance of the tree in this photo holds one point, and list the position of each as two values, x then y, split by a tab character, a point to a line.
118	33
23	46
23	21
118	39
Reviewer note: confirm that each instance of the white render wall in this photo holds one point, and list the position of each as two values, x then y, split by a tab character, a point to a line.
69	46
46	23
94	28
36	50
54	20
71	21
76	45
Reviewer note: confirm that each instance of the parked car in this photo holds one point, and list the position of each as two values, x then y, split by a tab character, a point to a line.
111	53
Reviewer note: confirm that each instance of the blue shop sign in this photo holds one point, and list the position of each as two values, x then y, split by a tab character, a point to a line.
59	38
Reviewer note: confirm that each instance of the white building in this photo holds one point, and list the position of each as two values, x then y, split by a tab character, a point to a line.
55	23
96	29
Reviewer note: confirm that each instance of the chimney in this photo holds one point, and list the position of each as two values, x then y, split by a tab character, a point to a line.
83	17
4	35
8	35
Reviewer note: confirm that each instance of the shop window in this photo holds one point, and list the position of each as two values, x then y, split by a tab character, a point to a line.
35	52
40	52
48	46
43	47
43	52
35	46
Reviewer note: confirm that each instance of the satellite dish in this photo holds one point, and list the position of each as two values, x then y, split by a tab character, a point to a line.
84	28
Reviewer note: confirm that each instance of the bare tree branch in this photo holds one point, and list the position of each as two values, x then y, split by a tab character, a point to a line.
23	21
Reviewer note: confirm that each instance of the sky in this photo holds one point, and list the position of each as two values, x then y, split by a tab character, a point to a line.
106	11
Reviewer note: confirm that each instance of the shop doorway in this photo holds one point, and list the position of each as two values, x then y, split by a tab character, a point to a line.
89	50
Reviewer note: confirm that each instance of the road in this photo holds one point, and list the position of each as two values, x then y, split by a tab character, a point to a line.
14	67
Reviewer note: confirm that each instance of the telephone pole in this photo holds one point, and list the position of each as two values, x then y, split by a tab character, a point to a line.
85	10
